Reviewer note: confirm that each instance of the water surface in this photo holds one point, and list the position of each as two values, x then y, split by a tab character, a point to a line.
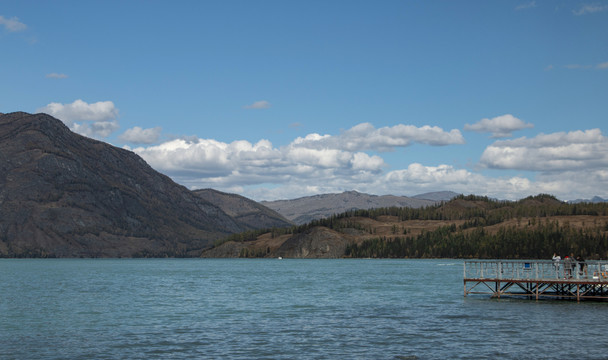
278	309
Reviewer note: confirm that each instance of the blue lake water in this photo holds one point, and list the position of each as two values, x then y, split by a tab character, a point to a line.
278	309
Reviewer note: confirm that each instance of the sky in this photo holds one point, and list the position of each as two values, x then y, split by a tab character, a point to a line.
283	99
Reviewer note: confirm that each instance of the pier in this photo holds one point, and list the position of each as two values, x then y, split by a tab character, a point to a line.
537	279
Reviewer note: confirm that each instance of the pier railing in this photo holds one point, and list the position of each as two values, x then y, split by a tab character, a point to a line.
587	271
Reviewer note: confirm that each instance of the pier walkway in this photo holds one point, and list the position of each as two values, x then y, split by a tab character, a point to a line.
537	279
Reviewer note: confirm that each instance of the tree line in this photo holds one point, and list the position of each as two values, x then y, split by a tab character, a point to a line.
531	242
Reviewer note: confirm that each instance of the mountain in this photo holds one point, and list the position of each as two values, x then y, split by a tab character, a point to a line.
306	209
595	200
248	213
66	195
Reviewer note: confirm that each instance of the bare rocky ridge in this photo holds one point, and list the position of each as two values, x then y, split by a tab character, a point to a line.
65	195
249	214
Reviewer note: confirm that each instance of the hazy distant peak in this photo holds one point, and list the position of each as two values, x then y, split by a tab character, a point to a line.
305	209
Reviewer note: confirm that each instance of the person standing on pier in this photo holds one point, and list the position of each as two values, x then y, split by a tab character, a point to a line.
556	259
567	267
582	266
572	265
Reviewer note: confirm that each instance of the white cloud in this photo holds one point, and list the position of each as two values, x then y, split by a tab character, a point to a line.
94	120
366	137
98	129
415	179
211	158
531	4
13	24
313	158
590	9
576	150
82	111
138	135
500	126
314	163
418	178
362	161
333	163
56	76
263	104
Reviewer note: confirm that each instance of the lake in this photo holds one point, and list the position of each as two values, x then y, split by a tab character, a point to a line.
278	309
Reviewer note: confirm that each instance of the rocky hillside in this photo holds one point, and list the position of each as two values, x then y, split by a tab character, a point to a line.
306	209
249	214
65	195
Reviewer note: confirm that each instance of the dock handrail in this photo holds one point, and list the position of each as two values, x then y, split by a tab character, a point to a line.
596	271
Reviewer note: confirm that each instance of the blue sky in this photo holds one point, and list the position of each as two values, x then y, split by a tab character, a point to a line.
281	99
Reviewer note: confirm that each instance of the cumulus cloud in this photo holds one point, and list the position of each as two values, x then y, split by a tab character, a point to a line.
366	137
13	24
590	9
94	120
138	135
317	164
211	158
500	126
312	163
572	151
263	104
56	76
415	179
418	178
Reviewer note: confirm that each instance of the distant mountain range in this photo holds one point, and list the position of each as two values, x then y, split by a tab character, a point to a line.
66	195
595	200
305	209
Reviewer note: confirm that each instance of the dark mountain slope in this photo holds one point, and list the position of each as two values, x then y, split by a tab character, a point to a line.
248	213
65	195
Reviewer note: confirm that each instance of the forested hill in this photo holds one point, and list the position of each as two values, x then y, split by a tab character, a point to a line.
465	227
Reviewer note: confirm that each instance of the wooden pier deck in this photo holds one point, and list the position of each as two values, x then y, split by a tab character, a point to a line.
537	279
